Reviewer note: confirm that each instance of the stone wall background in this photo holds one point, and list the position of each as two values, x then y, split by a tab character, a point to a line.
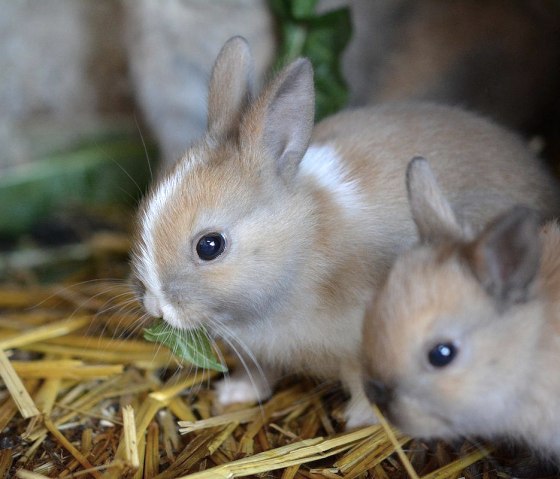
69	67
63	71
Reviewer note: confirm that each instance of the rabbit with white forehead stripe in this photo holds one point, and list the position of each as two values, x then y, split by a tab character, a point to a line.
464	337
272	234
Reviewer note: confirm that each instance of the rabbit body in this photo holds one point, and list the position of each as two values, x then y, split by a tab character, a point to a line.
491	303
311	219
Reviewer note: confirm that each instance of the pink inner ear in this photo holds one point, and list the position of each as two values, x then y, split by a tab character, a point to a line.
431	211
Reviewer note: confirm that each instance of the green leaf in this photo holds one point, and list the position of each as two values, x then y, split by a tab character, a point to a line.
192	346
322	39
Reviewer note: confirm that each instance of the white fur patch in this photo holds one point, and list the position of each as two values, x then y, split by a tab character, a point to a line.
150	275
324	164
160	201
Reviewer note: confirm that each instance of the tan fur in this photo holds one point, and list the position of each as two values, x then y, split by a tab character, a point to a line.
503	381
301	263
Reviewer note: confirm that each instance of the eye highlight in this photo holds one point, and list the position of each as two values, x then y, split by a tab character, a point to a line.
442	354
210	246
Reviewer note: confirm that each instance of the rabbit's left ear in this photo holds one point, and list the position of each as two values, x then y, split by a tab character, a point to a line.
505	258
231	85
431	211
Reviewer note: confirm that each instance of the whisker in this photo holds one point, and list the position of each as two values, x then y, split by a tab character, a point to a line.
231	340
145	148
129	177
60	290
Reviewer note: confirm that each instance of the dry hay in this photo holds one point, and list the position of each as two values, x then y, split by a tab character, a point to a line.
85	396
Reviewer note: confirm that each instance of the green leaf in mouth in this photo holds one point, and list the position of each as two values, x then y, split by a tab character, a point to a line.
193	345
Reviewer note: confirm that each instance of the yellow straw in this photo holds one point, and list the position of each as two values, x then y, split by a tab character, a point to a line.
406	463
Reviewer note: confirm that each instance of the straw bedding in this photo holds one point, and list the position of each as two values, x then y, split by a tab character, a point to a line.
83	395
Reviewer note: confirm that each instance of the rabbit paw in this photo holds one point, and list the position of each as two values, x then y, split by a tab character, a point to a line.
241	389
359	414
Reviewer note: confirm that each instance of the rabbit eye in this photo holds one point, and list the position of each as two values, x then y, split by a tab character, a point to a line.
210	246
442	354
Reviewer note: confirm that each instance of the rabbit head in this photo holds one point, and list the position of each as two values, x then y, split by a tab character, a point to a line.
220	236
450	340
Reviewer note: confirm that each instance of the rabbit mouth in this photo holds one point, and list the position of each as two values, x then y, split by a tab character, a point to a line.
184	319
427	427
192	316
420	422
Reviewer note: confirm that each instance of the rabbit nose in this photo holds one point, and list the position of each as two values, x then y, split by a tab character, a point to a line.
378	392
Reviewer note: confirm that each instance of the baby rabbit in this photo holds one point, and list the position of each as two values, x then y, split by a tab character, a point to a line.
464	337
272	235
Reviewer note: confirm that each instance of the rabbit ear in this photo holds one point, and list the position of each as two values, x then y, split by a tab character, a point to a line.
505	257
431	211
230	86
282	120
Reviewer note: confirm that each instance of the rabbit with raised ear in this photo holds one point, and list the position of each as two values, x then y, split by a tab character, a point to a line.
464	336
272	235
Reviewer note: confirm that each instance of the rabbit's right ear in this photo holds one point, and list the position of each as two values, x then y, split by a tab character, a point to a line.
505	257
231	85
281	121
431	211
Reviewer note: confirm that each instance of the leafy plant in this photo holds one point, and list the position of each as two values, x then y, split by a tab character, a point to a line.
100	172
319	37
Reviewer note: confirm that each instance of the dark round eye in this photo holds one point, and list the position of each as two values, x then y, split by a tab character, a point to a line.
442	354
210	246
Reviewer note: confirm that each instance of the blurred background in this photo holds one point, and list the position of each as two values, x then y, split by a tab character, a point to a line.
98	97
